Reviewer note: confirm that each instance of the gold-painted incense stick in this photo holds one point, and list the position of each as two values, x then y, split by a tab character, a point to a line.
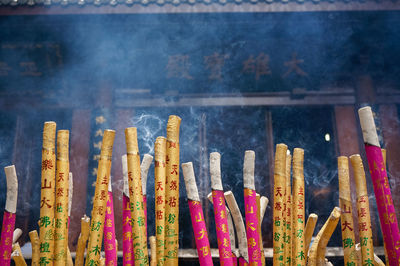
279	191
35	242
348	238
47	200
172	192
299	248
139	235
309	230
287	236
83	237
17	255
160	147
153	261
62	192
318	248
100	199
364	216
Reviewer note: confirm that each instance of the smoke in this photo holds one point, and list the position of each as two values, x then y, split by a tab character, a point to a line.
109	61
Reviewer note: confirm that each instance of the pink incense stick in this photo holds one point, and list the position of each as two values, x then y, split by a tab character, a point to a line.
110	248
250	202
387	215
197	216
144	170
242	262
127	244
221	221
9	216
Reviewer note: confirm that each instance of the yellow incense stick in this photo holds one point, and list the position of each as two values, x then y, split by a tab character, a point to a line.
299	248
153	261
287	214
160	147
279	191
17	255
172	192
364	216
139	235
100	199
83	237
47	201
309	230
318	248
62	189
33	235
348	238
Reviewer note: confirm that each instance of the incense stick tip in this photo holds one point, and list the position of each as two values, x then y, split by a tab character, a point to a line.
248	169
190	181
215	171
368	128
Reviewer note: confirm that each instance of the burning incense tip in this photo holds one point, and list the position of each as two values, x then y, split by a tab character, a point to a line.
16	235
368	126
144	170
12	189
248	170
190	181
215	171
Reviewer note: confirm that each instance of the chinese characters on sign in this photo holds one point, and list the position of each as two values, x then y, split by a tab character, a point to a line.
256	66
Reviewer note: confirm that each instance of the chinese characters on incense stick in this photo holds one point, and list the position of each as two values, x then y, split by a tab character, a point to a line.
291	236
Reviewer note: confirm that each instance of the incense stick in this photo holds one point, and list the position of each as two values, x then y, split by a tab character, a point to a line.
35	242
261	245
17	255
172	192
110	249
318	248
299	247
83	237
348	238
239	225
159	189
250	201
127	244
287	221
309	230
9	215
364	217
100	199
231	229
144	170
197	216
153	261
47	201
387	215
62	191
136	198
220	214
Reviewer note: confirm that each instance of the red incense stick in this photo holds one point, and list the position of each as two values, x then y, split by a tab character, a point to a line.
221	221
9	216
197	216
250	201
387	215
